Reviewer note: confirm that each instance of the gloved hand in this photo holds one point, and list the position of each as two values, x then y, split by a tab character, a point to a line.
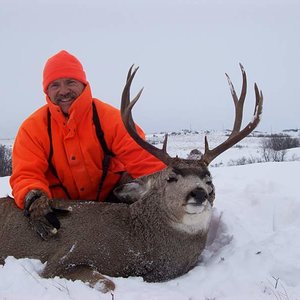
41	213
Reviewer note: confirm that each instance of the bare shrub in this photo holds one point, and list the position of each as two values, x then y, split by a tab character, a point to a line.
5	161
238	162
281	142
244	161
274	147
238	146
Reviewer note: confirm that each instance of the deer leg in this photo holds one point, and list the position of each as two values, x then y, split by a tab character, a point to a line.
92	277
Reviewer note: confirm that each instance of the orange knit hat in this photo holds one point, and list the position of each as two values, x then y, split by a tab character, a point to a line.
62	65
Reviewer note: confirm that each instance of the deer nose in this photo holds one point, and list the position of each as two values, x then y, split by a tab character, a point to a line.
199	195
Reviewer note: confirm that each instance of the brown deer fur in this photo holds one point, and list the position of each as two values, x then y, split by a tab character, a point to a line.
160	236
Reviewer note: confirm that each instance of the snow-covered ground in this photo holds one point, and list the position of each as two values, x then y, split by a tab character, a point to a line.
253	248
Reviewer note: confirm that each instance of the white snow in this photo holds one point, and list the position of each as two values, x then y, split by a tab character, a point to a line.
253	248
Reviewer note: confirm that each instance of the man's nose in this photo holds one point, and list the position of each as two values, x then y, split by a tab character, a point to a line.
63	89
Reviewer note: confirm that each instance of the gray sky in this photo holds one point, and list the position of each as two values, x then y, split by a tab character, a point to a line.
183	48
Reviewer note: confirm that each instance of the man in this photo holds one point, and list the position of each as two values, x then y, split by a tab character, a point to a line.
74	147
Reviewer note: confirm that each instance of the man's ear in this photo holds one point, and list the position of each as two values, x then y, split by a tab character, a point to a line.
130	192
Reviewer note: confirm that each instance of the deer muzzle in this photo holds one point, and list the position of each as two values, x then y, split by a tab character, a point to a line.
197	196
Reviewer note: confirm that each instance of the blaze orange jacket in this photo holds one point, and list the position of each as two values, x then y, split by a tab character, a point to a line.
77	153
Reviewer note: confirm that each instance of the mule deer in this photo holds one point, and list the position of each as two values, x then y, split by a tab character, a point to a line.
157	233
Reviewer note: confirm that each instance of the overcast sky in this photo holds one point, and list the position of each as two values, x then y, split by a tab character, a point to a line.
183	48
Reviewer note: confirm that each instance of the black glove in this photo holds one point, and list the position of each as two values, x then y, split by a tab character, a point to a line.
41	213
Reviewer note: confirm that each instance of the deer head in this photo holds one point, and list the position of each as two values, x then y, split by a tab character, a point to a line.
187	183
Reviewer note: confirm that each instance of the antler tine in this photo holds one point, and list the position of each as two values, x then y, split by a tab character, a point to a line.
164	148
126	107
237	134
129	72
259	100
238	103
125	103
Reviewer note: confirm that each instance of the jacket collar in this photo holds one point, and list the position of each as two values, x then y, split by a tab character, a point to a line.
77	110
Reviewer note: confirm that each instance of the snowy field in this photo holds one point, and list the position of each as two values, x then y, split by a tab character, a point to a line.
253	248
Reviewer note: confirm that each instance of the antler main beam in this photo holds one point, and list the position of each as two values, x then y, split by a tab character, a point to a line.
237	134
126	107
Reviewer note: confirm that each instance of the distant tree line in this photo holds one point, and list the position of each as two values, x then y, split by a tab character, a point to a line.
5	161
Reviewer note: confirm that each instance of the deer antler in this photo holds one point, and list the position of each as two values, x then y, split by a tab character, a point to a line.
237	134
126	107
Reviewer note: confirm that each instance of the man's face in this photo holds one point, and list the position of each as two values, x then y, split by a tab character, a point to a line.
64	91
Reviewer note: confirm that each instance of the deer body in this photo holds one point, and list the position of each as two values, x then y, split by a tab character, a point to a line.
147	238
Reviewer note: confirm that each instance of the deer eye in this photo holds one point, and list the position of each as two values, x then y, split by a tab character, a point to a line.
211	187
172	177
208	180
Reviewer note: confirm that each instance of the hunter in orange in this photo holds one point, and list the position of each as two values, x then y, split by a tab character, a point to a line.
74	147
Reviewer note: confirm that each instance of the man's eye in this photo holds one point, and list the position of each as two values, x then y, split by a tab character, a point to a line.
53	85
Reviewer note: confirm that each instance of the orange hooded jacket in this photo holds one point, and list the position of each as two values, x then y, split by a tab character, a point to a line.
77	154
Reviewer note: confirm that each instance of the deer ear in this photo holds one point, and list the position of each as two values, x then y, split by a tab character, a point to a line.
130	192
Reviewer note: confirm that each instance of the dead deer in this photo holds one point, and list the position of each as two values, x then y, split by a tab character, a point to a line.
157	233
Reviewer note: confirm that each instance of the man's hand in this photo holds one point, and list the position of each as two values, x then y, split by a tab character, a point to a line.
41	213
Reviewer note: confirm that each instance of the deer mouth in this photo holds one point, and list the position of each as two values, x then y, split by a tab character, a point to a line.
197	201
193	207
196	217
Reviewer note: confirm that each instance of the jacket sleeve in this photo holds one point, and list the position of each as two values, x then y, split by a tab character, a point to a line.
136	160
29	163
